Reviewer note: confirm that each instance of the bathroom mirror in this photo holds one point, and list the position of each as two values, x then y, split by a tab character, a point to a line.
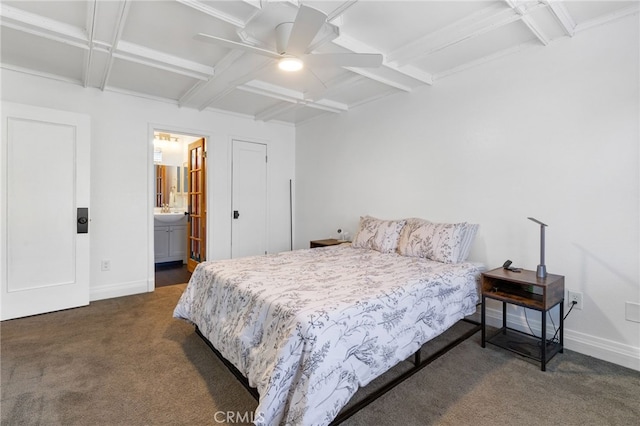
171	186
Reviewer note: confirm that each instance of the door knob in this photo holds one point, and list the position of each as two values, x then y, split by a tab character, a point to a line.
82	217
236	214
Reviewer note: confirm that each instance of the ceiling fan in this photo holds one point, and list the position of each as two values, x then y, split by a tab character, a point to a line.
293	40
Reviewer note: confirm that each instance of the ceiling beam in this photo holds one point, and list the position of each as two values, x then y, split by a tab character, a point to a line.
41	74
473	25
562	16
372	98
153	58
282	107
41	26
333	85
272	91
218	70
218	14
485	59
122	18
328	105
140	95
411	71
275	110
535	29
255	3
60	32
91	22
340	10
226	87
523	9
620	13
371	75
75	36
288	95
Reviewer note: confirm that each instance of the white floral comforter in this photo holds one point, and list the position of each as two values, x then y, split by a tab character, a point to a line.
308	327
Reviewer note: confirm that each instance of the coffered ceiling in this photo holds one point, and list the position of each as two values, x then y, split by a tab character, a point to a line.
147	48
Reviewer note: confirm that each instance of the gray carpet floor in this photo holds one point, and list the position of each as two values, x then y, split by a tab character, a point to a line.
126	361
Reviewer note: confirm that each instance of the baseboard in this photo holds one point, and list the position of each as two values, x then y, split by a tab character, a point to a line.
118	290
604	349
608	350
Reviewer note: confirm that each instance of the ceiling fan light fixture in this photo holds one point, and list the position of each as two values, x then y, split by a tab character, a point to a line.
290	64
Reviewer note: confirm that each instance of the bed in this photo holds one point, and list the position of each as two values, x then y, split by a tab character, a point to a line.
307	328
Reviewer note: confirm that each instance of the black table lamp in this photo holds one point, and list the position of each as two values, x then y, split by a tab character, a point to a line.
541	272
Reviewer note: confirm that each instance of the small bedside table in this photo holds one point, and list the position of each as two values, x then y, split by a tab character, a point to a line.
527	290
325	243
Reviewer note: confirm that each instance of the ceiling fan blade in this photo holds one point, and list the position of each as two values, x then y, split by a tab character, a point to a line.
235	45
358	60
307	24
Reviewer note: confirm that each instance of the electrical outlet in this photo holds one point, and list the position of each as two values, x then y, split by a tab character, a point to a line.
105	265
632	311
574	296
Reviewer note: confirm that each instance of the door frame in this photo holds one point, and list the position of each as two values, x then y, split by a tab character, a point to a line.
152	128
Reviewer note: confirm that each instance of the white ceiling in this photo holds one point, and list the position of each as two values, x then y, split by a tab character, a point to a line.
147	48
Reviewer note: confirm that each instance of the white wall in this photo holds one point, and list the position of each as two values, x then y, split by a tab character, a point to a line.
550	132
121	155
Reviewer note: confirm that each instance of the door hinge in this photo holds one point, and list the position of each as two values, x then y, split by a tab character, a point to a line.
266	159
204	154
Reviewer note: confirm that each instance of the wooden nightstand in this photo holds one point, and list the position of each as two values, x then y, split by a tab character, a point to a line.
527	290
326	243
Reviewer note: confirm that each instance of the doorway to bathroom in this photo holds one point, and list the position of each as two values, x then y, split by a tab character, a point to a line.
179	212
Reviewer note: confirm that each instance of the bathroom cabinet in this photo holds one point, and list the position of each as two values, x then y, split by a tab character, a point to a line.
170	243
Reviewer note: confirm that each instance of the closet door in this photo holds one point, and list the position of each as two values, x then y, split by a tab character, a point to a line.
249	199
45	203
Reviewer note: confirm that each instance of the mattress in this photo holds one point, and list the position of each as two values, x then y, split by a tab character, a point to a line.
309	327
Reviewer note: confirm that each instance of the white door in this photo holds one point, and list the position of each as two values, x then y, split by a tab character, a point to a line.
249	199
44	181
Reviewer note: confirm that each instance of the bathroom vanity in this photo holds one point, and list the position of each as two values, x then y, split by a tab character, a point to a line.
170	237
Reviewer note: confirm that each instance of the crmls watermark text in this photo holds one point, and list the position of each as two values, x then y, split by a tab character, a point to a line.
237	417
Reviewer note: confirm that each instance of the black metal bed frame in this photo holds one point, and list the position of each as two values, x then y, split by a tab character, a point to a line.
418	364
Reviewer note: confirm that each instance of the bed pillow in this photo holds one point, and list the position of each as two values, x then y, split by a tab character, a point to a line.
411	225
441	242
378	234
469	232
